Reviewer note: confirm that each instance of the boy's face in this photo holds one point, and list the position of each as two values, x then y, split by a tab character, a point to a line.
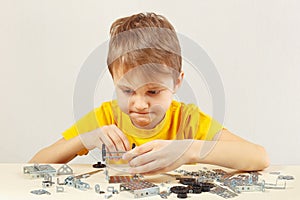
145	97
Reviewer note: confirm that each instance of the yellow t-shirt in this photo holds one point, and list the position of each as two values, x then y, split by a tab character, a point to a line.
182	121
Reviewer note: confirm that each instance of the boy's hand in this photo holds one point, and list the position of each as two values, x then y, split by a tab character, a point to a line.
159	156
113	138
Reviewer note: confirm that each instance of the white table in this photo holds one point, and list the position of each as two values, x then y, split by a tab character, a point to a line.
15	185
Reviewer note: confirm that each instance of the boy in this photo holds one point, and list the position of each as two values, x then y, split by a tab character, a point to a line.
144	60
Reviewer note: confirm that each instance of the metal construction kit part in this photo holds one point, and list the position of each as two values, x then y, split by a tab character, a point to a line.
99	165
37	171
187	181
223	192
47	182
182	195
40	192
106	174
65	170
282	177
107	196
179	189
274	185
120	179
69	181
60	189
165	194
250	188
113	154
140	188
58	183
76	183
112	190
274	173
81	185
97	189
195	189
277	187
206	186
244	183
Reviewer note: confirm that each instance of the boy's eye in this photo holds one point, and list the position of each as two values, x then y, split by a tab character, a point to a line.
128	91
153	92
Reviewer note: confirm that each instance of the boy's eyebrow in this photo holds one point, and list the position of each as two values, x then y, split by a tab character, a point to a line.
150	86
155	85
123	86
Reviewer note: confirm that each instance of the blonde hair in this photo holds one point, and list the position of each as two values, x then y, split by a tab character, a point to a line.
144	38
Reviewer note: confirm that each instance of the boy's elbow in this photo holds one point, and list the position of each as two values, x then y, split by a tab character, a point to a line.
260	160
264	159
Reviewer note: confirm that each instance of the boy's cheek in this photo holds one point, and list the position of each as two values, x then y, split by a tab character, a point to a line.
123	103
124	108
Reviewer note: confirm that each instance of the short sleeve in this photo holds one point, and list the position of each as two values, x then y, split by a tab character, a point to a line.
208	126
199	125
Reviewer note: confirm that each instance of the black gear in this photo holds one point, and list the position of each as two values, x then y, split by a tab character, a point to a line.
205	186
187	181
182	195
99	165
195	189
179	189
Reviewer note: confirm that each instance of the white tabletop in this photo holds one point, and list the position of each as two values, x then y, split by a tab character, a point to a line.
16	185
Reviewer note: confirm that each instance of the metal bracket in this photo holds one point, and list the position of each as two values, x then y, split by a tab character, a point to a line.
64	170
40	192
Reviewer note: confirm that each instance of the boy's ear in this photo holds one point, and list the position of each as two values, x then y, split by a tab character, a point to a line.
179	81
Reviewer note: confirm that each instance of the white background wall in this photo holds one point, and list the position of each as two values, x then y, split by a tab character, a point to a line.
254	44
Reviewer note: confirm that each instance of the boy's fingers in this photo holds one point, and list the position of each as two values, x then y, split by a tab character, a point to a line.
122	137
108	142
144	159
112	139
116	140
137	151
129	155
150	167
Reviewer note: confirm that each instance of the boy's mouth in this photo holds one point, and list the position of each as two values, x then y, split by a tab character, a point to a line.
140	119
142	112
139	113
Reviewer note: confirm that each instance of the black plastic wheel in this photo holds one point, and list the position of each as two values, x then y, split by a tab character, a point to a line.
182	195
179	189
99	165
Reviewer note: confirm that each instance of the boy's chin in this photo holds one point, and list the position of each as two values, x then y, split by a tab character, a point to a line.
143	124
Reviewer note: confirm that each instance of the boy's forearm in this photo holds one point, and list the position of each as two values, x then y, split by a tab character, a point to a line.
60	152
232	154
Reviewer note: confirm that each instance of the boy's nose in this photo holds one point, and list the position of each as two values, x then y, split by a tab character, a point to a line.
139	102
